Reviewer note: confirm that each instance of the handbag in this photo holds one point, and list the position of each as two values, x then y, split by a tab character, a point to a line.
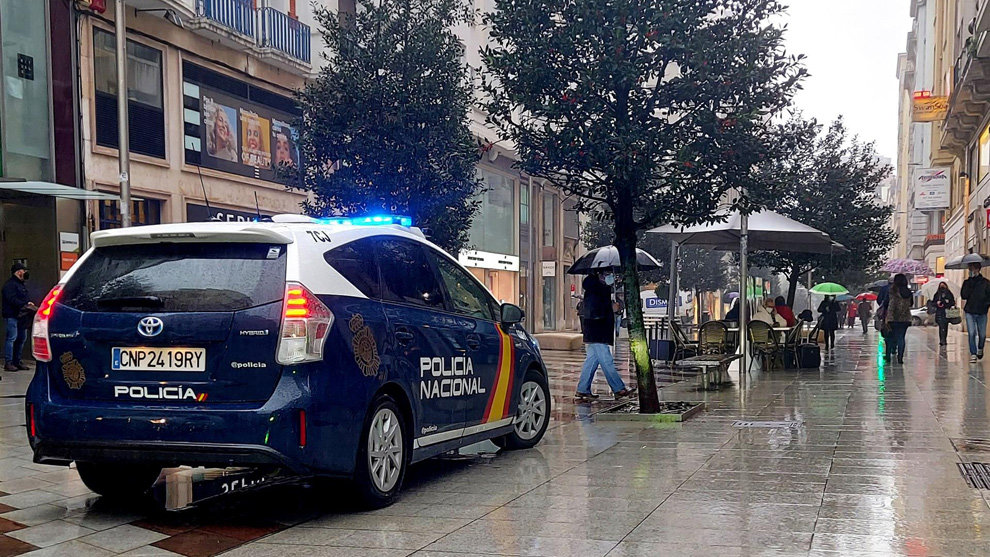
953	315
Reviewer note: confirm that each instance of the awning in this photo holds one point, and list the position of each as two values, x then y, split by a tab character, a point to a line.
56	190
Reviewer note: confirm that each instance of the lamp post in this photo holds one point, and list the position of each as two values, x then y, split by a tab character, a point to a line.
123	133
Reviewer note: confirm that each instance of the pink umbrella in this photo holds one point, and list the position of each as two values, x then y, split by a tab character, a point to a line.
908	267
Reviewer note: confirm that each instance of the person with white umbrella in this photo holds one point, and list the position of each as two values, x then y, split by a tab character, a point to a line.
943	300
976	291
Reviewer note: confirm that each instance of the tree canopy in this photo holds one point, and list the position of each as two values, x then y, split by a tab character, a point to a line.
385	123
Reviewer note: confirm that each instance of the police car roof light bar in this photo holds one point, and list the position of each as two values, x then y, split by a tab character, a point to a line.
372	220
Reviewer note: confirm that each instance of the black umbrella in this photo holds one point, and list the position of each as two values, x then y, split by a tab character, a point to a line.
607	257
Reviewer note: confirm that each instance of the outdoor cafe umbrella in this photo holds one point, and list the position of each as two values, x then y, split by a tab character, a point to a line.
764	230
607	257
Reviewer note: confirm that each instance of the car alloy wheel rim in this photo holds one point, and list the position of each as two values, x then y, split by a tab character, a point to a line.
385	449
532	411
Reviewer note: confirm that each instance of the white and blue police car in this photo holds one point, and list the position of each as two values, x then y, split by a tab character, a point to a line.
343	347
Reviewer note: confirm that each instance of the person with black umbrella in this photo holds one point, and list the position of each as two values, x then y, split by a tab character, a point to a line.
17	305
597	326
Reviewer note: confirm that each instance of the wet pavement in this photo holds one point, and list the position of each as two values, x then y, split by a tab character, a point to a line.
859	458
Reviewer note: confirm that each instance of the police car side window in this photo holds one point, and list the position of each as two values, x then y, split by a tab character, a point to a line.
356	262
407	275
466	295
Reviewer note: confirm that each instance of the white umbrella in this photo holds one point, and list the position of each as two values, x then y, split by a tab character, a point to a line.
964	261
929	288
765	230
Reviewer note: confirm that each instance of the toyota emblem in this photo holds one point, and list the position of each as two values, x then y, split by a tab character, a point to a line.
150	326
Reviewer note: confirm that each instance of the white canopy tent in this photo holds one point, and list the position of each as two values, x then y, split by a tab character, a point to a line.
764	230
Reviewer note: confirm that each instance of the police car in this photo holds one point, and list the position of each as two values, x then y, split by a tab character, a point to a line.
328	347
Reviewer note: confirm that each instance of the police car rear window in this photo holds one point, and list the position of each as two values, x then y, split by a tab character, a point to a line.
179	277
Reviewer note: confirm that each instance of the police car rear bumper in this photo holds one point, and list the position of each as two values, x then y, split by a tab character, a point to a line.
166	454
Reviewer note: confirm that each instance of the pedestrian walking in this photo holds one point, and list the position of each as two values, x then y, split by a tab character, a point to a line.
976	291
898	317
944	301
785	311
597	328
619	308
16	305
865	312
851	312
828	312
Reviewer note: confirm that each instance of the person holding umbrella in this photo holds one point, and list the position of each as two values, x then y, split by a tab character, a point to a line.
898	317
597	326
829	311
943	301
976	291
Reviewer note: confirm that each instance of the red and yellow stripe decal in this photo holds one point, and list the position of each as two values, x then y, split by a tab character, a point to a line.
498	401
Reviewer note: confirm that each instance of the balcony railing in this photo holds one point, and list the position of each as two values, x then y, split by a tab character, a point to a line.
236	15
281	32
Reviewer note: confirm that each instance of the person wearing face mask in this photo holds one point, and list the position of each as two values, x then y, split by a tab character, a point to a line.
16	301
597	326
976	291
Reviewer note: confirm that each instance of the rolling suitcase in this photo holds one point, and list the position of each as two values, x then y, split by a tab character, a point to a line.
809	356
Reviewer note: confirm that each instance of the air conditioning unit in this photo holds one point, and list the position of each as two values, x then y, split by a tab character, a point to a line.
98	6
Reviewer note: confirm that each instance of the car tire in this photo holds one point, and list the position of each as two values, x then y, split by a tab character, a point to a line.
383	454
118	481
532	416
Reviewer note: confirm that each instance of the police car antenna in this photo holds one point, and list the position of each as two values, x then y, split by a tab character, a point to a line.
257	207
206	198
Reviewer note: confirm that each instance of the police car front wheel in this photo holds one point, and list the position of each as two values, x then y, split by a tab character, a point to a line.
383	459
532	416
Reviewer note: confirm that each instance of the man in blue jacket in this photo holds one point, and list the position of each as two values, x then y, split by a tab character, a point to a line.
15	301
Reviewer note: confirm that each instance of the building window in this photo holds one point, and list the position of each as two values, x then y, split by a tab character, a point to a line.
572	225
549	303
493	228
984	155
146	108
147	211
549	219
523	203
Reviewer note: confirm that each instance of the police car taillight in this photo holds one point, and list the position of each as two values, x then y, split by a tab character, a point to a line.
305	326
41	348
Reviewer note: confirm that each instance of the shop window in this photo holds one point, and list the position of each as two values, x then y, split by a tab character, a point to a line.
549	303
145	106
493	227
549	219
147	211
984	156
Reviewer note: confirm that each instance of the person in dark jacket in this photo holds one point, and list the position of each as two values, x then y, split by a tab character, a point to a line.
865	312
16	302
597	326
943	300
829	311
976	291
898	317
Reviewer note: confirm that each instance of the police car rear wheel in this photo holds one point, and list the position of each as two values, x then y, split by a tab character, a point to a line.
118	481
383	460
532	416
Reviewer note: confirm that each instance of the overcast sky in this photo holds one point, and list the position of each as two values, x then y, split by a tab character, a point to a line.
851	48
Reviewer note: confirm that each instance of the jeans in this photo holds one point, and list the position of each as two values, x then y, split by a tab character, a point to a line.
598	355
976	326
618	324
943	329
866	324
14	342
897	341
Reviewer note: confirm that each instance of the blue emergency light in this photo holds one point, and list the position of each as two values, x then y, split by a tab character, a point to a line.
375	220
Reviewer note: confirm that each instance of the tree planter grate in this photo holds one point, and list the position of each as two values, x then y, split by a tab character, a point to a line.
976	474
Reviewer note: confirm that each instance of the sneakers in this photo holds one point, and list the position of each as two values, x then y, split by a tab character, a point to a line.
10	367
585	397
979	355
23	367
972	359
624	393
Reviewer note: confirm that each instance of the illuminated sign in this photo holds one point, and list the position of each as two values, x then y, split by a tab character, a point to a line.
927	108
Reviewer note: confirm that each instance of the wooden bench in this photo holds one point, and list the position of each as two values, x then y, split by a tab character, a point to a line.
706	363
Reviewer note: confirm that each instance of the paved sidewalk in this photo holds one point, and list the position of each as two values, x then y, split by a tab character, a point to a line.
870	467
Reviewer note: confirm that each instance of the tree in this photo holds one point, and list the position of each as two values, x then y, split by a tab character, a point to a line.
385	123
835	178
654	108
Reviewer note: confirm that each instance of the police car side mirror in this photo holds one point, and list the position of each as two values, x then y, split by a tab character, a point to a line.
511	314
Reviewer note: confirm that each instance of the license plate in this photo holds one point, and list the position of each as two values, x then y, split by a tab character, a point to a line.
135	358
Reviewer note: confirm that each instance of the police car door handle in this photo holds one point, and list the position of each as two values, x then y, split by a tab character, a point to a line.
474	341
403	335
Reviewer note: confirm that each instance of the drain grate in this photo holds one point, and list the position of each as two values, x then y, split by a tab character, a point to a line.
744	424
976	474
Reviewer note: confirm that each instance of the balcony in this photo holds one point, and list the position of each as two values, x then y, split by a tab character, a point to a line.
266	33
934	240
283	37
970	99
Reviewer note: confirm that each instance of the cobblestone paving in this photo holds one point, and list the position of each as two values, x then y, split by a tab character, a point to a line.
870	467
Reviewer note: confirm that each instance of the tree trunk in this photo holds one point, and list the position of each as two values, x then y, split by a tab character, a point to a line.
792	280
625	241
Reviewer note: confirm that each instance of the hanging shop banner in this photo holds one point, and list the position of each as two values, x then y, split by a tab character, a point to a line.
929	109
932	188
243	133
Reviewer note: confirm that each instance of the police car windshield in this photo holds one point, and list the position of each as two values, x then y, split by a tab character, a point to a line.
178	277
